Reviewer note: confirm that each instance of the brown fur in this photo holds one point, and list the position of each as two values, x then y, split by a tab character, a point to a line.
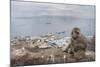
78	44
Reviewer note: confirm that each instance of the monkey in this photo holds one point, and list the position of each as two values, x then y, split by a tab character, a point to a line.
78	43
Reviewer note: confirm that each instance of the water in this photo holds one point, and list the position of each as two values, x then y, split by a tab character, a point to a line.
35	19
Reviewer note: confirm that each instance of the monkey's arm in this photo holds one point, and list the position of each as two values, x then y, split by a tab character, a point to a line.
69	46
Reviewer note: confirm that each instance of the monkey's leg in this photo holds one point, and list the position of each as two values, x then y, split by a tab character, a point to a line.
80	54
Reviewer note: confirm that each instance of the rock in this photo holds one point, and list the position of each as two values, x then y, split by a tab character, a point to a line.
90	54
19	52
43	50
44	45
18	56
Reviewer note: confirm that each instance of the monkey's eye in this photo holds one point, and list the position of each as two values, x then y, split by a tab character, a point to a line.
77	32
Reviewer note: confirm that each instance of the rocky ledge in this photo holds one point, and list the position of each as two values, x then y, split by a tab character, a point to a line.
47	49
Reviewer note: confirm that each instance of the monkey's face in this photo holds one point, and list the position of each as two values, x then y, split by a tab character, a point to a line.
75	34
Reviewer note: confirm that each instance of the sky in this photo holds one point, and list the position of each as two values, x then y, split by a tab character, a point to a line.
32	9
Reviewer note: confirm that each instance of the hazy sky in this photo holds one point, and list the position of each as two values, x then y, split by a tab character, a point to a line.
31	9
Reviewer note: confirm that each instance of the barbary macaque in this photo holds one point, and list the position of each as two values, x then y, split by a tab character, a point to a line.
78	44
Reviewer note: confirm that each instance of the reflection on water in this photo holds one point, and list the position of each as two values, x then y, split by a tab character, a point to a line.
29	18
